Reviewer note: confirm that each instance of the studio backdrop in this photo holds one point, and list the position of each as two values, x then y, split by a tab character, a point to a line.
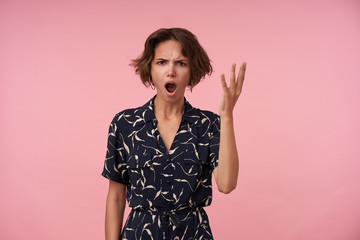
64	74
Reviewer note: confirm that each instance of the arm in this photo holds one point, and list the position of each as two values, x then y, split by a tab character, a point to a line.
226	173
115	205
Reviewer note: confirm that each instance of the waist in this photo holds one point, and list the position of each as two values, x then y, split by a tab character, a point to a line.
173	215
160	210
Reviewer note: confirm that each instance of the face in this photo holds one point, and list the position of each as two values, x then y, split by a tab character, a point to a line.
170	71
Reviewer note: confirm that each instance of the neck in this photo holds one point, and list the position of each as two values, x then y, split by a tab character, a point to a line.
168	109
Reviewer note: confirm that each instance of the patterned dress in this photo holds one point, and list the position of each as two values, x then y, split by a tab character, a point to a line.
166	190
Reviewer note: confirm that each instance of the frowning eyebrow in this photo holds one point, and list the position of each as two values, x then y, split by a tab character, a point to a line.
177	60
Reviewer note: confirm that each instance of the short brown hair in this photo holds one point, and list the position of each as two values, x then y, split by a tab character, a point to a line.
199	61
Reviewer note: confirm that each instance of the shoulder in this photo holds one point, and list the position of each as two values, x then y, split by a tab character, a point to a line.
127	116
135	117
190	110
201	118
209	114
204	115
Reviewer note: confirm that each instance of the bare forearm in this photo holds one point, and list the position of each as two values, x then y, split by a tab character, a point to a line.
226	173
228	165
114	217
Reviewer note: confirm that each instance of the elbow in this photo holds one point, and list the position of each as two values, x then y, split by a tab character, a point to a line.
226	182
226	189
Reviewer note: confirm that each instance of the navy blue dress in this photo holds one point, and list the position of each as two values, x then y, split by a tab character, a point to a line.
166	190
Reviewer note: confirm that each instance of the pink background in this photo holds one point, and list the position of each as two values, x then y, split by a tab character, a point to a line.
64	74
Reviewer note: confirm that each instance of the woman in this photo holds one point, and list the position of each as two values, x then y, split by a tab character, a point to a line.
161	156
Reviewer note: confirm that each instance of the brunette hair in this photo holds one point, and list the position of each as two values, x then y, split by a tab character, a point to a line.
199	61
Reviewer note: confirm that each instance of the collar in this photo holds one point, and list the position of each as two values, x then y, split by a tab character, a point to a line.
146	113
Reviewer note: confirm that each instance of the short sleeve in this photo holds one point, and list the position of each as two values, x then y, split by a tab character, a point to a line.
115	160
214	142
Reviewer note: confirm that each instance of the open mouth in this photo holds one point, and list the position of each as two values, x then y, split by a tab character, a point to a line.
170	87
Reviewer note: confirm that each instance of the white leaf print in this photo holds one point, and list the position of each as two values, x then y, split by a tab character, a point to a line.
157	194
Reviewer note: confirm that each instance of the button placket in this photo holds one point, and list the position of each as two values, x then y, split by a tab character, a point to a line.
168	180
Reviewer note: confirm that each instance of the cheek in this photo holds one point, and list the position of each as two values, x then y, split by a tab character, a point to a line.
154	72
188	77
185	72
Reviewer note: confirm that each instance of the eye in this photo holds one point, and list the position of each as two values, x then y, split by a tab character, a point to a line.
181	63
160	62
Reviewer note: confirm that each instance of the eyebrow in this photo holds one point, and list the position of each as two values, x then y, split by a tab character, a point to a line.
177	60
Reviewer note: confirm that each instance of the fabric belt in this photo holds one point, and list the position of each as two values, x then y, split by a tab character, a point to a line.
169	215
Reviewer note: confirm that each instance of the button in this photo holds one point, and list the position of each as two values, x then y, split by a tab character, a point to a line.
155	121
168	182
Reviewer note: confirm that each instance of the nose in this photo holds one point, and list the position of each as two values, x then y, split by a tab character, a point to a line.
171	70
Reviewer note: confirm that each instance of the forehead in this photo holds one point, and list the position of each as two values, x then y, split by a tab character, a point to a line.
169	48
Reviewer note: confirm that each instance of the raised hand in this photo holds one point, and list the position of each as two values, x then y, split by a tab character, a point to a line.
226	173
231	94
